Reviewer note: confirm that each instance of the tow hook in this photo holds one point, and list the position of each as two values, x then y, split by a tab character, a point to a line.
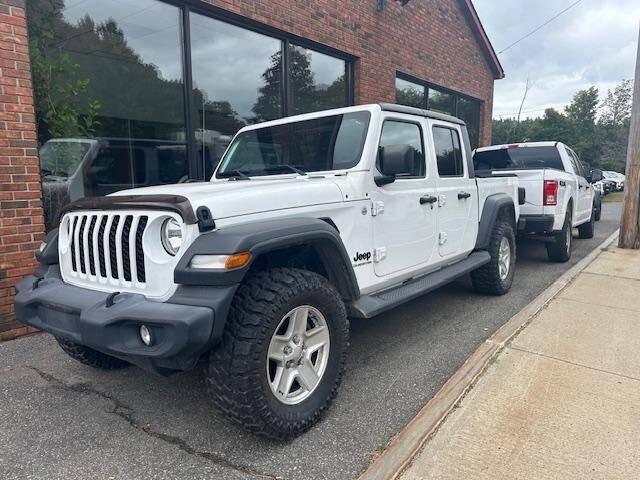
110	299
36	284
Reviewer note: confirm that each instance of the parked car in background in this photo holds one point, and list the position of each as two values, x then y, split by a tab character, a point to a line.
614	179
559	194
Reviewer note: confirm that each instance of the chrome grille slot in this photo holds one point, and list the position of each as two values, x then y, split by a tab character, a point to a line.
107	248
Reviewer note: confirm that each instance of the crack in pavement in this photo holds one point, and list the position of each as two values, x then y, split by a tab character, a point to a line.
127	413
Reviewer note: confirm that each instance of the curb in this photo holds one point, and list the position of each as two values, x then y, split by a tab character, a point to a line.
410	440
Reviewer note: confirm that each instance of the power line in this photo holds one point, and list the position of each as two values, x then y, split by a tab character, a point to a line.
540	27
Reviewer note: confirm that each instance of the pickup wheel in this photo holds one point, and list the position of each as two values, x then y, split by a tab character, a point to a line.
496	277
89	356
598	208
586	229
559	250
283	353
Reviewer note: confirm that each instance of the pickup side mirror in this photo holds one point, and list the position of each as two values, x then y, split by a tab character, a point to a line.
595	175
395	160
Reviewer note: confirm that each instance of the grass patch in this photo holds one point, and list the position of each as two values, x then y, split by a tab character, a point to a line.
614	197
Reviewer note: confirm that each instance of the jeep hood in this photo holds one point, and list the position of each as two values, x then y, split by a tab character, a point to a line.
245	197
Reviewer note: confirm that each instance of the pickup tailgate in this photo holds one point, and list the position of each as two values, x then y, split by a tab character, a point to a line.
533	183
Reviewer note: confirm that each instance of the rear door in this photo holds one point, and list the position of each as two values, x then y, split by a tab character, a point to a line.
584	193
457	193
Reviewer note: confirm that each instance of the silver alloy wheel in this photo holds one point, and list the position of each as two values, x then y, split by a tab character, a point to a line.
504	258
569	237
298	354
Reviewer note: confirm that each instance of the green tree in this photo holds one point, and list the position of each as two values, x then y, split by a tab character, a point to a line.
582	113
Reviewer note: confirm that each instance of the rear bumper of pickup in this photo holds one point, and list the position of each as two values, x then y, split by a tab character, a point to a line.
536	224
183	328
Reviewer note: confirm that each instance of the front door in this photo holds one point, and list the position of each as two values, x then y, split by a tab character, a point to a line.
405	211
457	193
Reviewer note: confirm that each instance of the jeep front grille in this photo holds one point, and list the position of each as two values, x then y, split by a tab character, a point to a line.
108	246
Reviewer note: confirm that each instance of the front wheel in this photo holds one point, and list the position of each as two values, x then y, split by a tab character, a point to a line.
283	353
598	208
496	277
586	230
89	356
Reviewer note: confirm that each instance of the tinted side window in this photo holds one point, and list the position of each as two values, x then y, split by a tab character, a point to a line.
404	133
448	152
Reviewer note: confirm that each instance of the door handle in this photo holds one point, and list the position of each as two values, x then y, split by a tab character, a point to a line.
428	199
464	195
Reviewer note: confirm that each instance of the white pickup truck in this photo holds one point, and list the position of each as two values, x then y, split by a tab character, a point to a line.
306	221
559	192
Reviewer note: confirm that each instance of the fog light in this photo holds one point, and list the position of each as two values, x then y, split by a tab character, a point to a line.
145	335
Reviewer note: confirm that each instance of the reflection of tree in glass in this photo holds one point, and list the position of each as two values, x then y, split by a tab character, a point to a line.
304	94
87	73
410	97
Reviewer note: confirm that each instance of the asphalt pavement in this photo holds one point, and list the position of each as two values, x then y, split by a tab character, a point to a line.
60	419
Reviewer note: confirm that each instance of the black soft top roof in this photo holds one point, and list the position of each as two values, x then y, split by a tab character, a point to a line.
391	107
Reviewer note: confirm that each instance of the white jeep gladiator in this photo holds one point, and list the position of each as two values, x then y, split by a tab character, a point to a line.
307	221
558	189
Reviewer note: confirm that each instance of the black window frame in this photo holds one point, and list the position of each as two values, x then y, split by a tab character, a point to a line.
422	144
196	169
461	160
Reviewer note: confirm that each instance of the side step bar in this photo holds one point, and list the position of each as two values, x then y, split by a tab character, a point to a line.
369	306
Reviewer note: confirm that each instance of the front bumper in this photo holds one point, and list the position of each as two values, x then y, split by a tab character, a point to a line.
187	325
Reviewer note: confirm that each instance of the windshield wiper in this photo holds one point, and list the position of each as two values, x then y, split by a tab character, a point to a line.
236	175
289	167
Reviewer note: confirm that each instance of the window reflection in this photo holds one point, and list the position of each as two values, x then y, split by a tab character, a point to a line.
410	94
441	102
237	81
469	111
109	97
316	81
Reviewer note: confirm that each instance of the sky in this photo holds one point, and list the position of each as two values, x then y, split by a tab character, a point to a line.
594	43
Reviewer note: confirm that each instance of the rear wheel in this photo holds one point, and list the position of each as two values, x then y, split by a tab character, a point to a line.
496	277
89	356
283	353
559	250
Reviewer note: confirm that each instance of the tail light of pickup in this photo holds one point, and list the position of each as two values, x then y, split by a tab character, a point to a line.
550	192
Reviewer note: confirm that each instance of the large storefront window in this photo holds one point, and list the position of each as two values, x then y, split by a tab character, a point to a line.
237	77
423	95
109	97
117	108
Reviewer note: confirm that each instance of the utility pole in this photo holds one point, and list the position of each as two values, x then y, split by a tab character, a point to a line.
630	224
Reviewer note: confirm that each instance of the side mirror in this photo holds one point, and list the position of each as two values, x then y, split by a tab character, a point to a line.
395	160
595	175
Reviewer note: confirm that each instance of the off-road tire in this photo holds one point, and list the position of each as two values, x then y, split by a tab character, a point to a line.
558	250
586	229
90	357
487	278
236	373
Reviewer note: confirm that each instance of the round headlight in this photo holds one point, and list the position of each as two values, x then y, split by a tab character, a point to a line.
171	235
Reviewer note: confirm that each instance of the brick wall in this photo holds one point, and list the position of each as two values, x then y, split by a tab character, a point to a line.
21	216
432	40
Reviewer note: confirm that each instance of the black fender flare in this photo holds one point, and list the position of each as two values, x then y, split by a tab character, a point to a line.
262	237
493	205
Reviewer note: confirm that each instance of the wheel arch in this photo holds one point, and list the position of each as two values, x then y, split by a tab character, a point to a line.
497	207
311	243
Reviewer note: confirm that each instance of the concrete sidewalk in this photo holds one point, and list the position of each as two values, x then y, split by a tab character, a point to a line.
562	400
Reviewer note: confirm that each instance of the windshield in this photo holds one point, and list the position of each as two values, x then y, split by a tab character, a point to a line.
61	159
321	144
518	158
